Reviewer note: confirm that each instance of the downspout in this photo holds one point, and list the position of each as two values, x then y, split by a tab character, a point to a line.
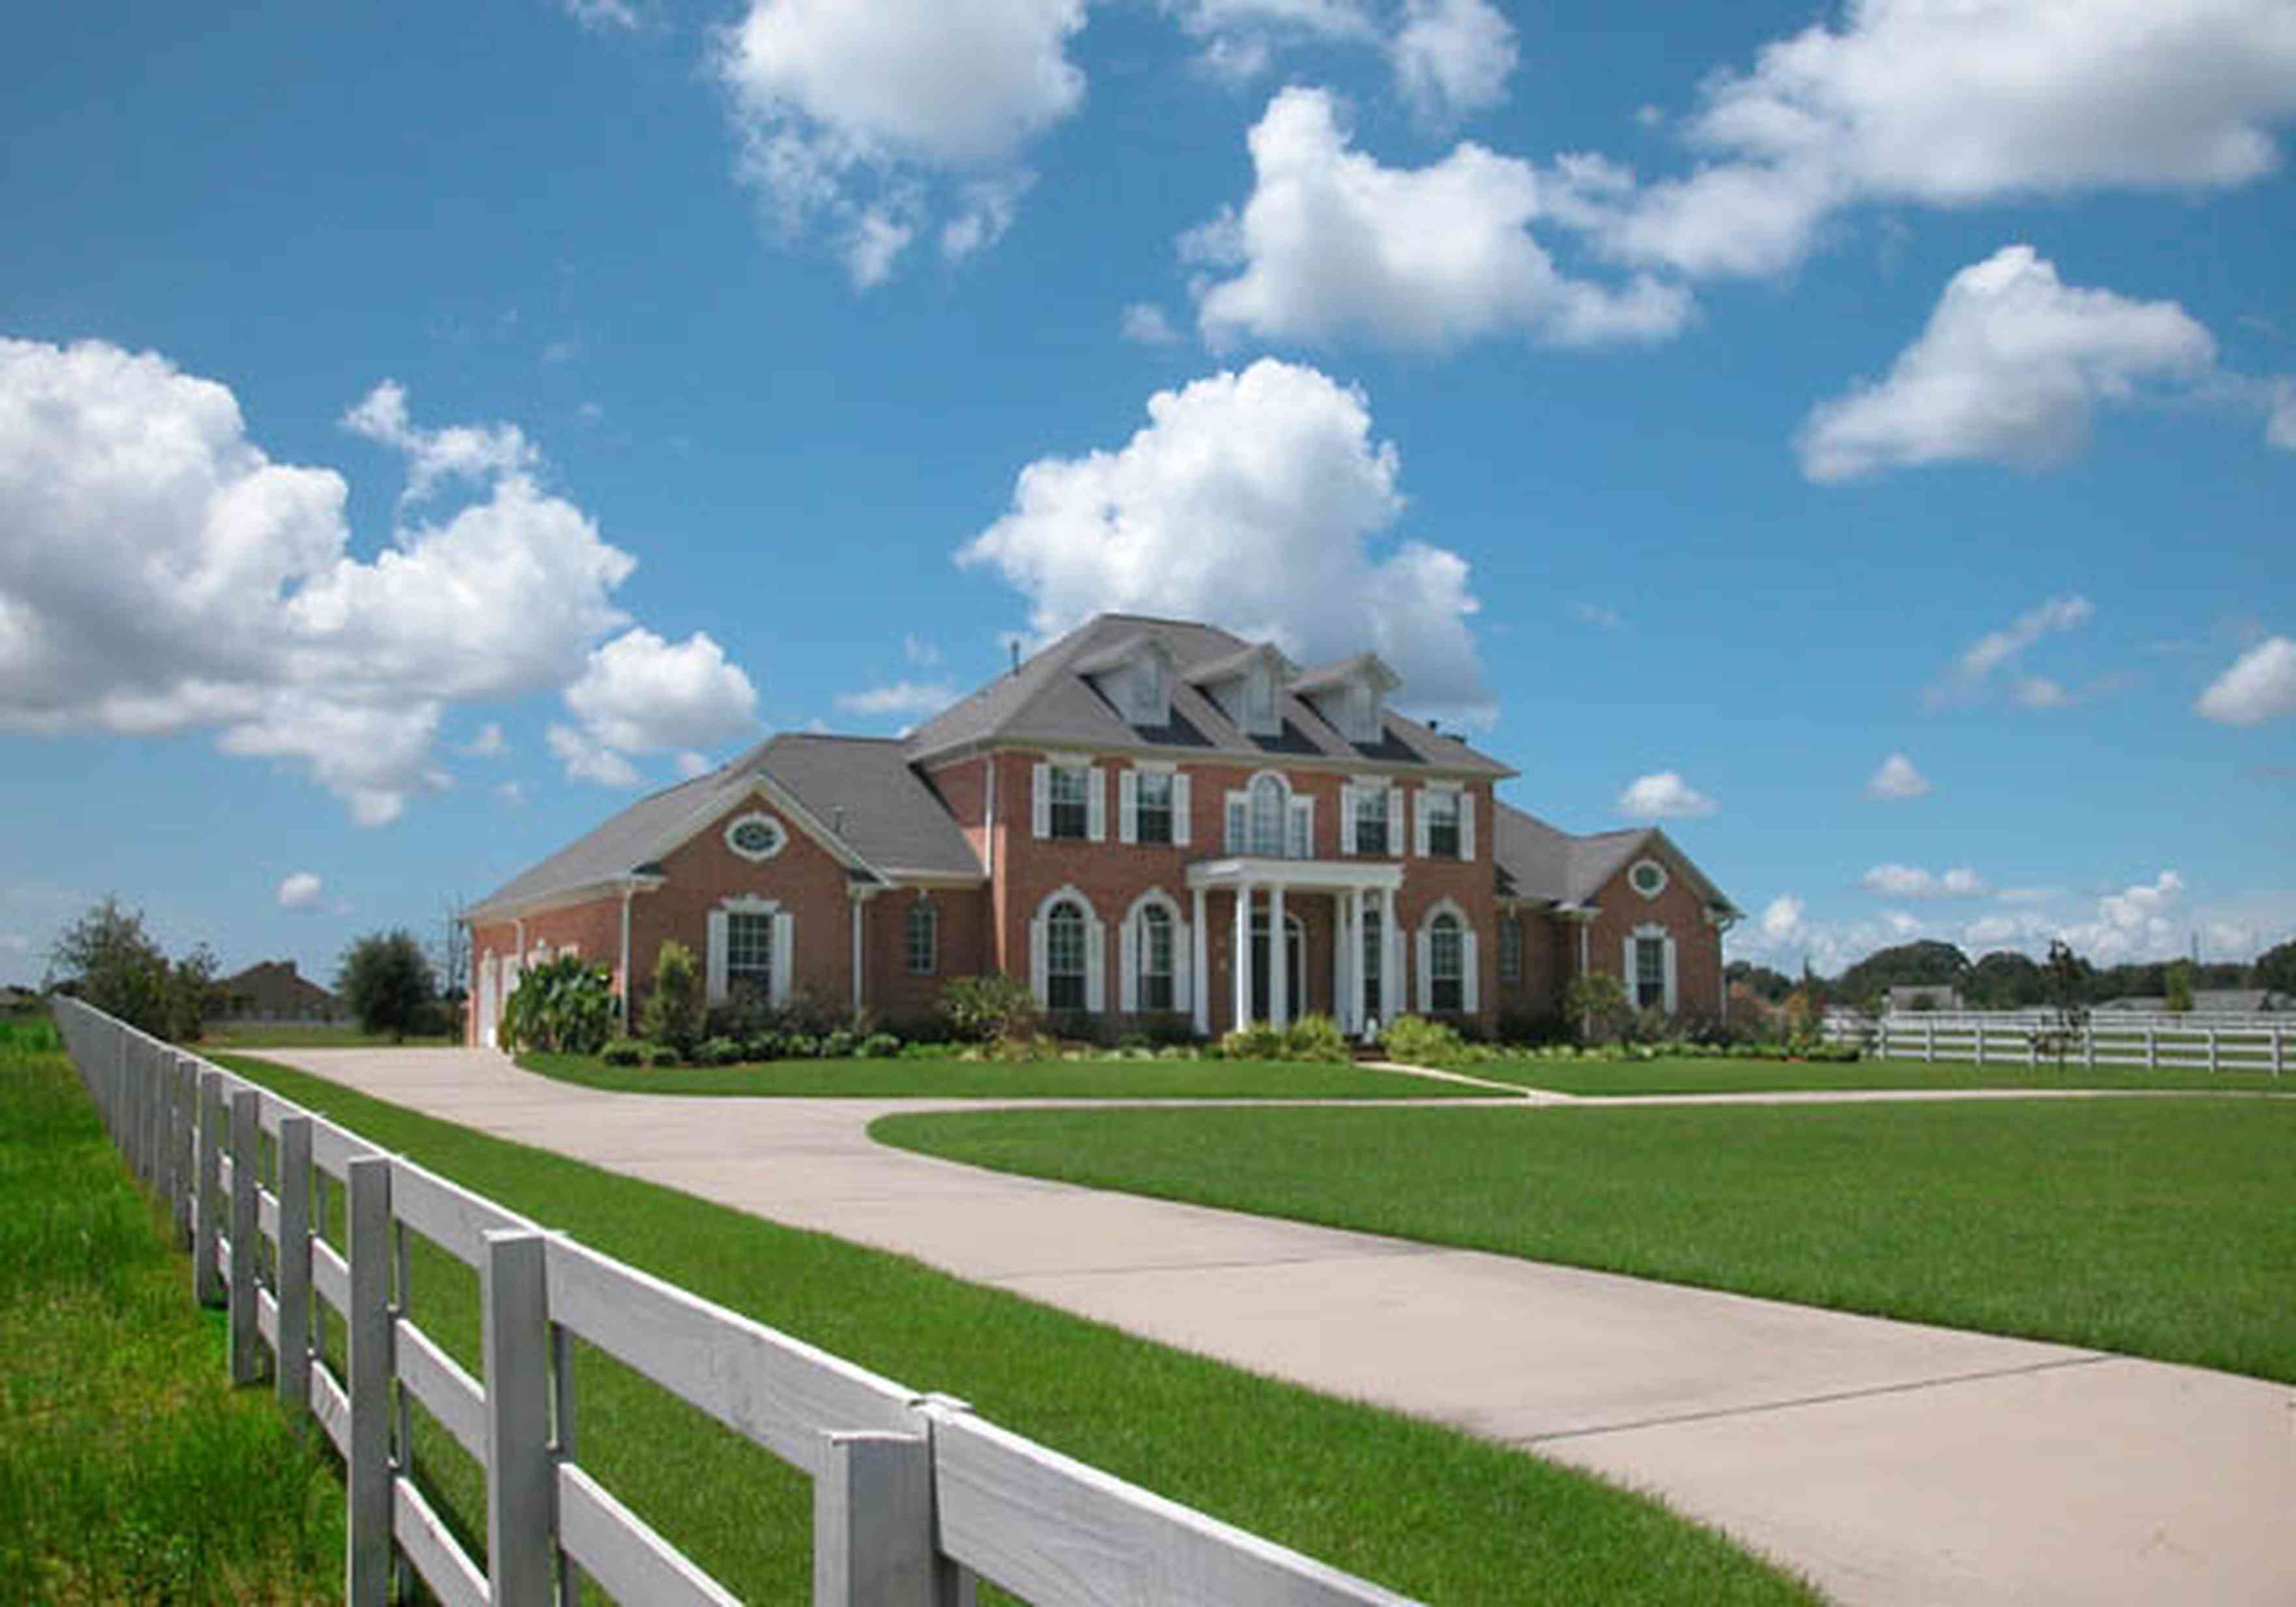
860	896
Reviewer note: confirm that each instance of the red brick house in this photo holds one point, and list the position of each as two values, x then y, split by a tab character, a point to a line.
1118	820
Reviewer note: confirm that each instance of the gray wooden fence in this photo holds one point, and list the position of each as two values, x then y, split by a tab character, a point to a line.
913	1496
2029	1037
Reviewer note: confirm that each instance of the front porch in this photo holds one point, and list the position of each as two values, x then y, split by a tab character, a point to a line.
1340	942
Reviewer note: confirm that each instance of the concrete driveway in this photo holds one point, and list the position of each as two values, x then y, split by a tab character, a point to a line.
1891	1462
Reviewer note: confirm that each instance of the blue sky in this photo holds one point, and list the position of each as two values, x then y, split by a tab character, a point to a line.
420	427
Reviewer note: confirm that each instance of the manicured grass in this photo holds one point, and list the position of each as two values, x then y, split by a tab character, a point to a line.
290	1034
1420	1508
1703	1076
2163	1227
993	1079
130	1470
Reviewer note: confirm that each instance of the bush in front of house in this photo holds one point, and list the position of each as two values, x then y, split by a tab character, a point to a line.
674	1012
718	1051
1316	1037
1254	1040
1416	1041
560	1007
985	1009
626	1052
880	1046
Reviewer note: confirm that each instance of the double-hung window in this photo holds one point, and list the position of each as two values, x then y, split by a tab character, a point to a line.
1070	817
1370	820
1152	808
1270	817
923	939
1446	966
1064	966
1649	974
1510	949
749	952
1442	807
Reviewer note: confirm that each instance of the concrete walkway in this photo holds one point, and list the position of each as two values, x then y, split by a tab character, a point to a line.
1888	1461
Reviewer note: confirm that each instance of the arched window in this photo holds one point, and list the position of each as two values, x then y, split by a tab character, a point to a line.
1445	966
1269	811
1154	946
1064	970
924	944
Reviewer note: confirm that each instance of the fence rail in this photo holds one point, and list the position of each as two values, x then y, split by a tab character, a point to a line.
2216	1043
915	1498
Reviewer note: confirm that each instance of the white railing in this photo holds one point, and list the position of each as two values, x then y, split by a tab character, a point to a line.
2217	1041
913	1497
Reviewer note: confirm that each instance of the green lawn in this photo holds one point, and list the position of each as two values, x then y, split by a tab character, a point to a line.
130	1470
2161	1228
291	1035
1420	1508
1703	1076
993	1079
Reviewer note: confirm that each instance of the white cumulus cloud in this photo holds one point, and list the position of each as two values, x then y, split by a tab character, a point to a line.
1453	56
2013	365
1893	881
1259	501
871	118
2260	686
1449	57
639	693
159	573
1897	779
1332	246
472	452
1999	649
1956	103
299	890
1664	796
1145	323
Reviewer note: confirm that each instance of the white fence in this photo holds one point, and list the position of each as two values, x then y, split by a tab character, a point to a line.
913	1496
2033	1038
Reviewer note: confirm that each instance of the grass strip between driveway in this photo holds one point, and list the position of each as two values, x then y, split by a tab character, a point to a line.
1686	1075
130	1470
1420	1508
997	1079
2163	1227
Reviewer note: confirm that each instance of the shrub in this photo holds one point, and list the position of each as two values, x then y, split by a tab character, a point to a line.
1532	1028
673	1010
986	1010
717	1051
927	1052
1255	1040
746	1014
1416	1041
765	1046
837	1045
626	1052
880	1046
562	1005
801	1045
1316	1037
1026	1046
1597	1003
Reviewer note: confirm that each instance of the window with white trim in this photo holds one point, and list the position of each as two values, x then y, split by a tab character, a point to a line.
1649	974
755	836
1442	806
1064	956
1510	949
1070	811
1374	949
1370	820
923	938
1446	962
1270	817
749	952
1648	878
1155	943
1260	701
1152	806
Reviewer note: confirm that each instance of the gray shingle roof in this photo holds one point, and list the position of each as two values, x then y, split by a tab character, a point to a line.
1048	702
1536	860
891	818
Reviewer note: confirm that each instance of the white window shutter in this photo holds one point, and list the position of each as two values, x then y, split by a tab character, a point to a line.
1466	824
1095	966
715	965
1127	980
1128	806
1183	967
784	956
1471	973
1419	822
1394	821
1238	823
1426	969
1308	813
1346	818
1040	802
1180	811
1095	803
1036	985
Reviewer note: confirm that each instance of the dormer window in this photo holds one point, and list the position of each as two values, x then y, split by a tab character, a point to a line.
1134	675
1149	705
1259	703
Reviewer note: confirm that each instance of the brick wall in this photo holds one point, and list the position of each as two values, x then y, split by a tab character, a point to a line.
1697	944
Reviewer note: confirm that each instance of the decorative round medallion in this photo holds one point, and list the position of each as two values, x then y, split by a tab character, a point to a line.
756	836
1648	878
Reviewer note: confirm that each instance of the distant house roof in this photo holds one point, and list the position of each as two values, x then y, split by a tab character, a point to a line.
1048	702
275	987
860	793
1938	996
1536	860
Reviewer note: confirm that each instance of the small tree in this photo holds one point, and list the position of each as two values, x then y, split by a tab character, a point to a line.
561	1006
2067	978
1597	1001
387	981
674	1012
192	995
2178	985
109	960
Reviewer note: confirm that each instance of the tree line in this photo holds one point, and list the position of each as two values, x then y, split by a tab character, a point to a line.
2006	980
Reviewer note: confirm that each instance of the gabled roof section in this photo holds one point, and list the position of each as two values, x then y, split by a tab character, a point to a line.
862	800
1048	702
1536	860
1340	672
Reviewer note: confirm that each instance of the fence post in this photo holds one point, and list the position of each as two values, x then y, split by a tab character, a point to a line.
182	1111
206	1207
562	1414
293	1368
367	1471
2276	1049
873	1522
2212	1051
521	1483
1980	1042
2152	1048
162	1080
1929	1042
246	1342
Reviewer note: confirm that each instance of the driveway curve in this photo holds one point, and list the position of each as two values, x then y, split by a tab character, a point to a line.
1891	1462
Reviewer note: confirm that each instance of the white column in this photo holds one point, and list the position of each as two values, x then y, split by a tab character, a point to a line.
1279	970
1355	961
1200	944
1239	959
1392	992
